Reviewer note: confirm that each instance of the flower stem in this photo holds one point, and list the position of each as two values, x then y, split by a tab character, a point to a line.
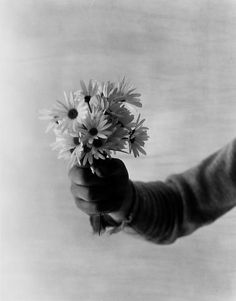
90	109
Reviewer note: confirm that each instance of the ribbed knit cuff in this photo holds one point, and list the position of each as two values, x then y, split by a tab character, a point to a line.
155	212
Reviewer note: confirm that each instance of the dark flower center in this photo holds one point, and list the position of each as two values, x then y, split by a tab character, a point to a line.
97	143
120	123
87	98
93	131
132	140
76	140
86	149
72	114
71	150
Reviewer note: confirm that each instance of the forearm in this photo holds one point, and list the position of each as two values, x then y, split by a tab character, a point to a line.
157	212
163	212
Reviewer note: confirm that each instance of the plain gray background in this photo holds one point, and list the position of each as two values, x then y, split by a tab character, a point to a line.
181	55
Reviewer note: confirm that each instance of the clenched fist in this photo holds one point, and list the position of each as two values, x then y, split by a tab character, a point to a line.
107	190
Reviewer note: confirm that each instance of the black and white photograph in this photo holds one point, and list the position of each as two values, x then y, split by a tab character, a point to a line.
118	150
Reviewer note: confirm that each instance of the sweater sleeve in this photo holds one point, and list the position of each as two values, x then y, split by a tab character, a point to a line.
165	211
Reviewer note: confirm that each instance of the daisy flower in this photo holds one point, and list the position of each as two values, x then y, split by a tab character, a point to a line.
101	103
137	136
108	90
94	126
126	94
87	92
120	114
69	147
118	139
97	121
49	115
98	150
64	115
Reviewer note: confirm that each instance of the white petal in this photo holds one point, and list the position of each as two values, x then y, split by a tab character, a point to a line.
66	98
83	86
90	86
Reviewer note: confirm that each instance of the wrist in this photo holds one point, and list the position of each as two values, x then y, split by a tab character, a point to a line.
124	212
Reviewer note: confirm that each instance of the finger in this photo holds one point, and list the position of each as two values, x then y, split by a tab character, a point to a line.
90	193
92	208
84	176
86	207
80	192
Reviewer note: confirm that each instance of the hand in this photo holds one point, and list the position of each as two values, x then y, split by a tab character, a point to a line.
107	190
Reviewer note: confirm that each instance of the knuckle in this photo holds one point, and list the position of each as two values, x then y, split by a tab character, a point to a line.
78	203
73	189
87	207
78	175
74	174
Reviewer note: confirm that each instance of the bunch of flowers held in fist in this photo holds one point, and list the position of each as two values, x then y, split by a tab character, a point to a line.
96	121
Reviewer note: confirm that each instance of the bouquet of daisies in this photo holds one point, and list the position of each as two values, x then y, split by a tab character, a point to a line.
97	121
